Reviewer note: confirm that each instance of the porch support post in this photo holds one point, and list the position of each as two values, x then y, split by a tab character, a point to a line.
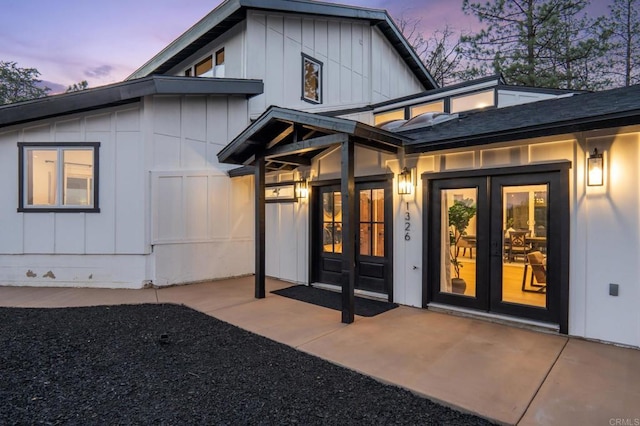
347	188
260	226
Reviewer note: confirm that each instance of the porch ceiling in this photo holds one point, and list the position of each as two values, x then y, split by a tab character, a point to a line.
289	138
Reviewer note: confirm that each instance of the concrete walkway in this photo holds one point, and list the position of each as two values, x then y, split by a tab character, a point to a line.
506	374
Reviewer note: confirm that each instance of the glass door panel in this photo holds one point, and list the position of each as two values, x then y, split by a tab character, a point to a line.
458	247
331	222
371	238
524	248
458	241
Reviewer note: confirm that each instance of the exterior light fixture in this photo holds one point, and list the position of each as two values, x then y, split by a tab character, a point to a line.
302	189
595	169
405	182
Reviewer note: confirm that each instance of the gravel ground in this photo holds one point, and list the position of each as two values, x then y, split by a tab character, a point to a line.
112	365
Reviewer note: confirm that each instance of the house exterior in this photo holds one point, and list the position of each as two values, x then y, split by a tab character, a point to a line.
275	137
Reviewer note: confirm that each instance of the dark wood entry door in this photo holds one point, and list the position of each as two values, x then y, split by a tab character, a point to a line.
525	276
373	236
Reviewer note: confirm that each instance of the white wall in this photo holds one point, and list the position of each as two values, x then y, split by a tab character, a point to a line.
202	221
58	242
604	227
513	97
232	41
608	228
359	65
287	236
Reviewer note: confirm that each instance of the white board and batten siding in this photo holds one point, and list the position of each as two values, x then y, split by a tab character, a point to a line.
287	237
79	249
602	223
234	60
516	97
359	65
202	221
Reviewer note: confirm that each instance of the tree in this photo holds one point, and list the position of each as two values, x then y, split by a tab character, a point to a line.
440	52
624	24
77	87
19	84
579	55
543	43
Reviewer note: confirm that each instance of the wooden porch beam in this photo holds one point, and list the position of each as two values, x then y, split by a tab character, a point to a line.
291	159
347	187
308	145
260	240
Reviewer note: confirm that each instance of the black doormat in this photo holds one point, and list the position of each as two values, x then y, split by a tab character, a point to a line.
333	300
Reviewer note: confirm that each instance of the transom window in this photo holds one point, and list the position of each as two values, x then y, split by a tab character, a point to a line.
437	106
383	117
58	177
311	79
211	66
472	101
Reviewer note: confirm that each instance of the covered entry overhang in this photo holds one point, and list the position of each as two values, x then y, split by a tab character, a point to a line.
284	139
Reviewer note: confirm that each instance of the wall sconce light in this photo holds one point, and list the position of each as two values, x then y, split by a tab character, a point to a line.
595	169
405	182
302	189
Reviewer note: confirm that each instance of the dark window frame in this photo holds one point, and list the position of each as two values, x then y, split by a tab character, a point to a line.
305	58
22	208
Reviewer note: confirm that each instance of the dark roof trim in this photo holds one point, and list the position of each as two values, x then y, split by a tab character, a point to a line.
245	145
579	113
581	125
545	90
340	112
230	12
497	79
241	171
123	93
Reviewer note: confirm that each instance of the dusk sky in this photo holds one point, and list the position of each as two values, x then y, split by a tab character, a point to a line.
105	41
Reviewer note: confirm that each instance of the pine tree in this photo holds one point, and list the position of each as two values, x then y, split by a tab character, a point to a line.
624	24
542	43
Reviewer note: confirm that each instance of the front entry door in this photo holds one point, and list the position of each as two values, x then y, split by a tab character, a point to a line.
496	244
373	237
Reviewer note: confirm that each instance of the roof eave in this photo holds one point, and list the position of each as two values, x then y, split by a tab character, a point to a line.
234	152
123	93
548	129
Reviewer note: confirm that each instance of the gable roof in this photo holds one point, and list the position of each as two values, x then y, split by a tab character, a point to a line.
290	138
230	12
123	93
581	112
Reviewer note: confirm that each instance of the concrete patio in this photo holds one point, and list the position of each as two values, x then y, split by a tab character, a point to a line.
507	374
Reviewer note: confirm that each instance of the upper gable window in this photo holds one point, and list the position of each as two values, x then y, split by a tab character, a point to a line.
58	177
473	101
211	66
218	71
204	68
311	79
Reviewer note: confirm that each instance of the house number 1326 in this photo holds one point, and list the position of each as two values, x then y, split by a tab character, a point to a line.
407	226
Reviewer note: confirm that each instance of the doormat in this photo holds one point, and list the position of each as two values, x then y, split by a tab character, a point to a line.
333	300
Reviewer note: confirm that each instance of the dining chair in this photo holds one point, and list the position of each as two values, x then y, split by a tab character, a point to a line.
537	262
518	245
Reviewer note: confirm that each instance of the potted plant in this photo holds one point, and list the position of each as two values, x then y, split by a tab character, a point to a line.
460	213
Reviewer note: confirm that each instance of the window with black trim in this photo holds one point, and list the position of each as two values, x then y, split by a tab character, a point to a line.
60	177
311	79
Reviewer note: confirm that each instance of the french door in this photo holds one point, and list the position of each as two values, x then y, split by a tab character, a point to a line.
498	243
373	236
